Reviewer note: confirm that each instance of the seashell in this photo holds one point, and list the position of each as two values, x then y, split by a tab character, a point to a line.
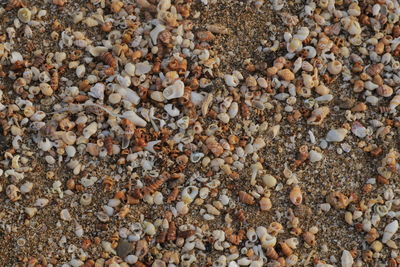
155	32
80	71
89	130
351	25
172	110
176	90
302	33
130	69
274	131
109	59
394	102
346	259
97	91
26	187
231	80
322	89
359	130
246	198
286	75
385	90
134	118
129	95
41	202
334	67
315	156
142	68
114	98
85	199
296	196
65	215
183	123
45	145
318	115
96	51
297	65
336	135
265	204
292	260
24	15
206	103
390	230
13	193
294	45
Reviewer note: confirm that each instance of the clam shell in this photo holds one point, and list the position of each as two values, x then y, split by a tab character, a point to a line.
390	230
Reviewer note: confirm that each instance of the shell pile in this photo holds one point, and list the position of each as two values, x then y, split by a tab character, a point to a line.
148	133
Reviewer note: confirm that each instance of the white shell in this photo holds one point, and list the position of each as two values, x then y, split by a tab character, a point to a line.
133	117
97	50
97	91
45	145
142	68
130	95
90	130
390	230
65	215
347	260
336	135
172	110
315	156
155	32
80	71
175	90
130	69
231	80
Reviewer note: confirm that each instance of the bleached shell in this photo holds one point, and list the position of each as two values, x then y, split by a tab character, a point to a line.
224	117
124	81
311	51
130	69
41	202
129	95
97	50
80	71
302	33
45	145
16	56
231	80
390	230
315	156
233	110
157	96
336	135
183	123
133	117
65	215
175	90
334	67
308	80
155	32
89	130
59	57
142	68
26	187
196	98
359	130
172	110
346	259
97	91
297	64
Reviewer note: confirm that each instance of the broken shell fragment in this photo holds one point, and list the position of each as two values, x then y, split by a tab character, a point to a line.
176	90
